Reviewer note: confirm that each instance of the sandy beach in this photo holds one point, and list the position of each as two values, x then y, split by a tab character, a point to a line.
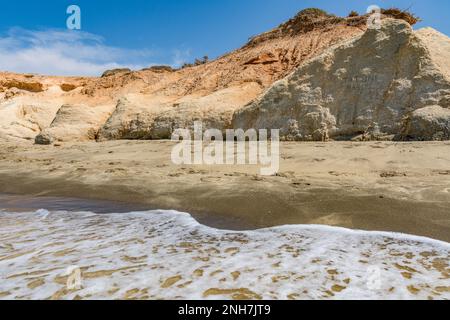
383	186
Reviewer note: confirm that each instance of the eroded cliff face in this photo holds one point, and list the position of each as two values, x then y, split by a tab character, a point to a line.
75	122
157	117
372	87
150	103
316	77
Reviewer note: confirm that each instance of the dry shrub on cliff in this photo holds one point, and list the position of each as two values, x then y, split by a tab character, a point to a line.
160	69
305	21
197	62
313	12
396	13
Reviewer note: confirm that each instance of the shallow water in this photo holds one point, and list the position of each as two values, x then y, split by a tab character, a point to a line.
168	255
20	203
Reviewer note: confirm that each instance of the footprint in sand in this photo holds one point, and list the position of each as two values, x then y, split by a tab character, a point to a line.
175	174
210	179
359	160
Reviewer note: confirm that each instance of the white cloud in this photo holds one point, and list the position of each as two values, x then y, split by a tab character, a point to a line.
65	52
180	57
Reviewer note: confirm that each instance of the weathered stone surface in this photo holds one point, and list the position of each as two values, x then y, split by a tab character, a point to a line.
75	123
429	123
20	119
362	88
156	117
132	118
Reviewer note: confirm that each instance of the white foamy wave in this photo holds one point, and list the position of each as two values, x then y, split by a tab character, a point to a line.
168	255
42	213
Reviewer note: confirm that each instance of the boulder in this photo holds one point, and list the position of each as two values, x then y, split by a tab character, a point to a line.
429	123
132	118
75	123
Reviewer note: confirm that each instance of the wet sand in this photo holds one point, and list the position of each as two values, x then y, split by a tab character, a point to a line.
24	203
384	186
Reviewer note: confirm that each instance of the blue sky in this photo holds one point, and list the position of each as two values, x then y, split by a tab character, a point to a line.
139	33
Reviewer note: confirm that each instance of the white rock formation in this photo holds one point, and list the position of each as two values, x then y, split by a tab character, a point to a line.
156	117
21	119
75	123
371	87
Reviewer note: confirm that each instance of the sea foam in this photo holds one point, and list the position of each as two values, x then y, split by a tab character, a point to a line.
169	255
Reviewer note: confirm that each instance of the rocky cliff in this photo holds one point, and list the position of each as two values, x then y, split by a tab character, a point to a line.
391	83
316	77
149	103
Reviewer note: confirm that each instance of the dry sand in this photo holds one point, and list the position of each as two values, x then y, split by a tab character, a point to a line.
384	186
